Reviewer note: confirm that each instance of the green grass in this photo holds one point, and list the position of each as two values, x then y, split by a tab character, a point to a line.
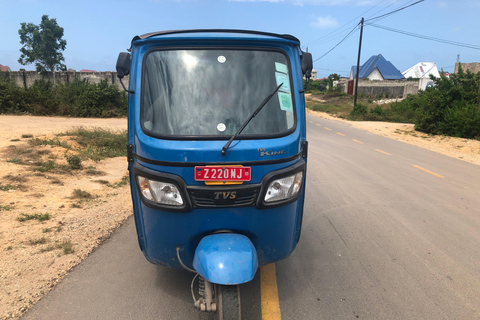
48	249
342	106
81	194
36	216
46	166
15	160
7	187
34	242
125	180
49	142
92	171
6	208
105	182
67	247
99	144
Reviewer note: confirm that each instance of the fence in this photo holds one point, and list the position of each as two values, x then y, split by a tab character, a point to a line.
374	88
26	79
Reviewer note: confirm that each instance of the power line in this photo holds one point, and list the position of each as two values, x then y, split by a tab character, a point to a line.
391	4
343	71
394	11
345	38
337	31
454	43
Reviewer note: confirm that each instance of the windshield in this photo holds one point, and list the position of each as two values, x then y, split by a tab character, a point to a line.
213	92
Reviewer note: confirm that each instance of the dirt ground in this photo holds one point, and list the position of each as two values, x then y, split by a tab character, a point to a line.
36	255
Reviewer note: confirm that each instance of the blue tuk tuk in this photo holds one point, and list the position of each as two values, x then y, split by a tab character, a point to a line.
217	153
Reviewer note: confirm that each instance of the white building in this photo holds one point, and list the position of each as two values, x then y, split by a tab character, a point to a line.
422	71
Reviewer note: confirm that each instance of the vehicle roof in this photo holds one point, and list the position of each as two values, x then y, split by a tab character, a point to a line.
209	33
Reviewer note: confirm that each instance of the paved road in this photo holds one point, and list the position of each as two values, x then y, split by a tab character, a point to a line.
391	231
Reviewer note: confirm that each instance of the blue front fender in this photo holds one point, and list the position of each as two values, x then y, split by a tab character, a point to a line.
226	258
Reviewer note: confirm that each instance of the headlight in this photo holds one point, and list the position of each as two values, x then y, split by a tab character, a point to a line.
284	188
160	192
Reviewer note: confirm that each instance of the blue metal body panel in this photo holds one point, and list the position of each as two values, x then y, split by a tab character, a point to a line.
274	232
226	258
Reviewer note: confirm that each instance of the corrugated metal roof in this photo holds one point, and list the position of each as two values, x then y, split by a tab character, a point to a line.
386	68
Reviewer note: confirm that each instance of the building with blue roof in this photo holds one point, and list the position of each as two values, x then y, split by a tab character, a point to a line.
377	68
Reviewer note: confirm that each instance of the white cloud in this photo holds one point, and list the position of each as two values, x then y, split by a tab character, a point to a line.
325	23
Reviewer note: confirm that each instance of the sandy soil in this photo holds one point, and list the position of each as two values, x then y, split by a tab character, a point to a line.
31	260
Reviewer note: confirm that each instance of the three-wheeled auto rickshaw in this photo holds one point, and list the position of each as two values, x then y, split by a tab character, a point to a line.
217	153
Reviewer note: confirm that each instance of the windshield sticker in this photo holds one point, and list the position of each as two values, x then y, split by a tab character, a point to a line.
280	67
283	78
221	59
285	100
221	127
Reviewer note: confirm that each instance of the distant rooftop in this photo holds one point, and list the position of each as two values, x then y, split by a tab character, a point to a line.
384	67
4	68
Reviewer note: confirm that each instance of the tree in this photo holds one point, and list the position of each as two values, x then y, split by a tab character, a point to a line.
42	45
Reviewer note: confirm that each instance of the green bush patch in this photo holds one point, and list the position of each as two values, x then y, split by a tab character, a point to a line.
36	216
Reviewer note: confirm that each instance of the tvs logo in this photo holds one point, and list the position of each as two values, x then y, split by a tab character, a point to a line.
263	152
225	195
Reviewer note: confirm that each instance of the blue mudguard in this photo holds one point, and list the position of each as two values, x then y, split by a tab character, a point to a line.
226	258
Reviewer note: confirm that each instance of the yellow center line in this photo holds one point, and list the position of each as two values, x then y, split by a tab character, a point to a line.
310	121
388	154
328	129
357	141
428	171
341	134
318	124
269	293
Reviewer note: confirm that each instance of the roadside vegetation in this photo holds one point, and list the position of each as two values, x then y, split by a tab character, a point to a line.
78	98
451	107
64	154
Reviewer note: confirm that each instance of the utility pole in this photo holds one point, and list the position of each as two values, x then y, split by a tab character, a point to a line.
358	63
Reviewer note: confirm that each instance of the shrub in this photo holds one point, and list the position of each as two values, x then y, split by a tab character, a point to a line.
359	110
377	110
78	98
450	107
75	162
12	97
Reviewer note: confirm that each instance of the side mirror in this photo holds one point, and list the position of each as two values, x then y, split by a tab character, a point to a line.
123	68
307	64
123	64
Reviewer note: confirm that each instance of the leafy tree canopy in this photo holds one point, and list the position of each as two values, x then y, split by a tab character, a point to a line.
42	45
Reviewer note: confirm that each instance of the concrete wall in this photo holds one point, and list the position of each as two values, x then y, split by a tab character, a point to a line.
474	67
25	79
392	88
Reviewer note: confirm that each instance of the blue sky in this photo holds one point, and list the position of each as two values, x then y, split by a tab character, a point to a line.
96	31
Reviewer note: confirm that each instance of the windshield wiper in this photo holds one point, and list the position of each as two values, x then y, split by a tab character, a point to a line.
264	102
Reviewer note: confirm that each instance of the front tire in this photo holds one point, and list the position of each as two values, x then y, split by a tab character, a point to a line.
228	302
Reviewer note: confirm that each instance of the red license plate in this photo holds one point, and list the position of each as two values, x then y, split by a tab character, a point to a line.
222	173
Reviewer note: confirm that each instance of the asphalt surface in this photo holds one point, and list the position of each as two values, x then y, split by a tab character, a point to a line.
390	231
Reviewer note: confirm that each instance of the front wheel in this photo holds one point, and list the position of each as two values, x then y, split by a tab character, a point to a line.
227	299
